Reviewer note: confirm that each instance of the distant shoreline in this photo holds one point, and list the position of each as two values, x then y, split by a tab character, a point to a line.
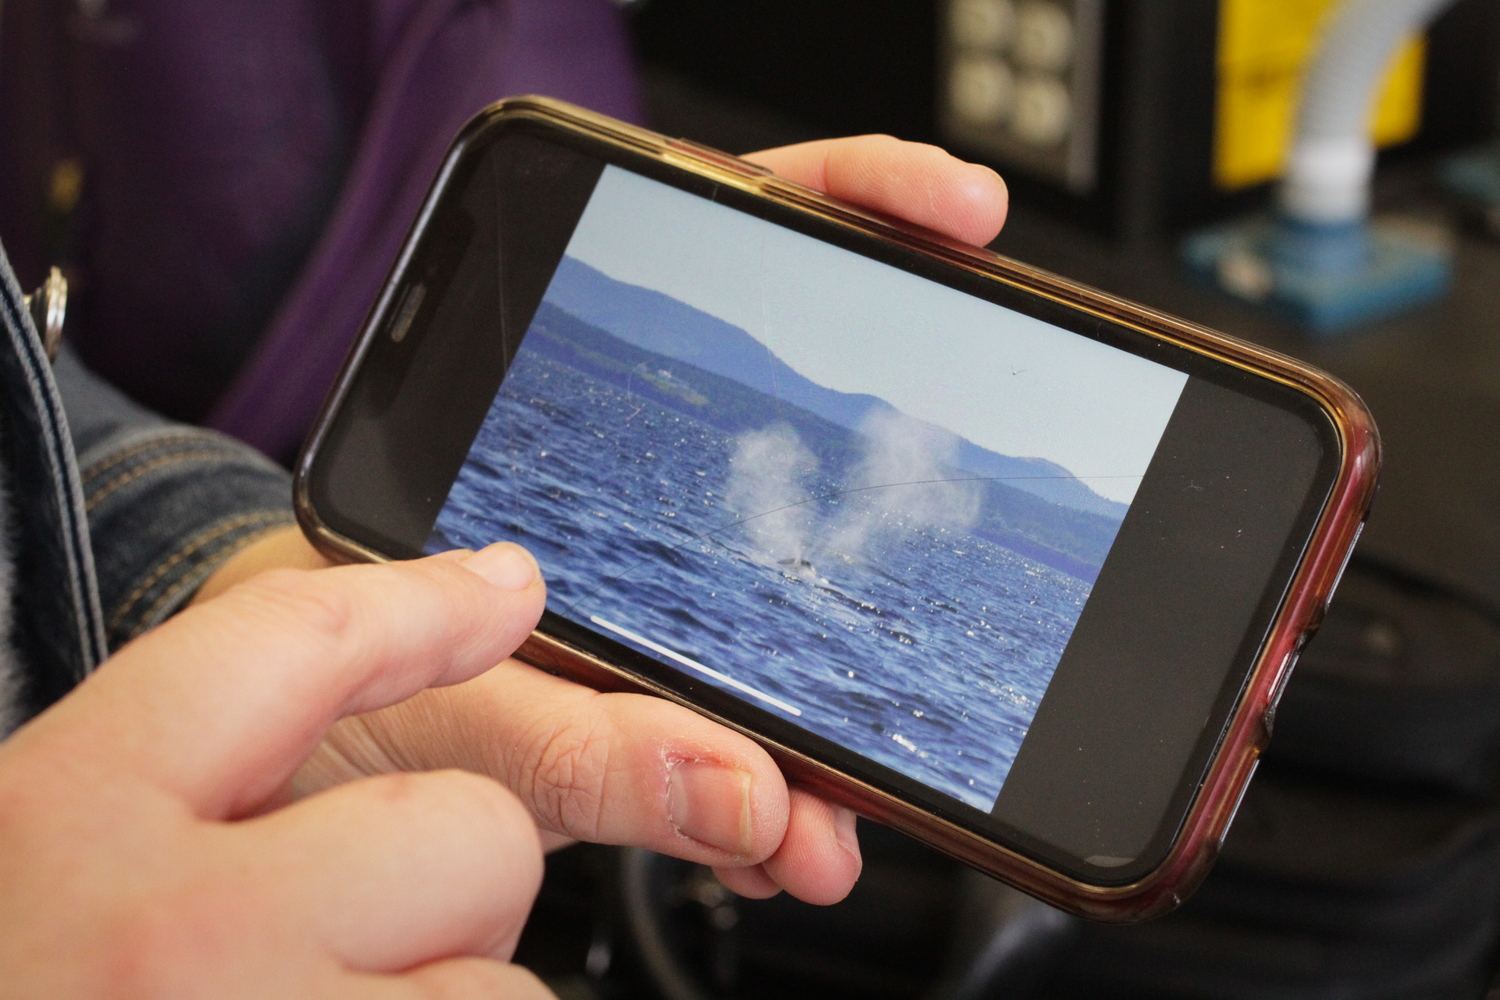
655	322
1071	541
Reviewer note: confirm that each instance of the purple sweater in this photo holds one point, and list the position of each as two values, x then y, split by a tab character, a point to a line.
250	168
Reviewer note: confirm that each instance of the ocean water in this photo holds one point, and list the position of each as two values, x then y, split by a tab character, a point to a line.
856	614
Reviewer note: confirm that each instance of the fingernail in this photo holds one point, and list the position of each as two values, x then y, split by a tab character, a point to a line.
711	803
504	564
845	829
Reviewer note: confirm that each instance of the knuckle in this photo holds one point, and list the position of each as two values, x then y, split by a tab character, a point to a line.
476	825
311	603
477	798
565	775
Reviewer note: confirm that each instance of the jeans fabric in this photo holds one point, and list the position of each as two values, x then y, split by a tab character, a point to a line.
119	515
58	627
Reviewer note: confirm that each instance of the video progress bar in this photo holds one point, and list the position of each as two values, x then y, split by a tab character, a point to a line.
694	664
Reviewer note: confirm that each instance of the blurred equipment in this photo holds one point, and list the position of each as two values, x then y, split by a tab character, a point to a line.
1264	52
1137	119
1320	258
1022	84
1166	114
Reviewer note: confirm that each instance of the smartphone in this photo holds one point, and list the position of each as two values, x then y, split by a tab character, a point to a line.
1008	564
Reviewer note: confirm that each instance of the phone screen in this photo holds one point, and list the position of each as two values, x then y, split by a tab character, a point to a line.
869	503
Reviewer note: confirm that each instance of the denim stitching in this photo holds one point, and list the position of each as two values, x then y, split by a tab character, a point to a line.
194	580
145	467
188	548
110	461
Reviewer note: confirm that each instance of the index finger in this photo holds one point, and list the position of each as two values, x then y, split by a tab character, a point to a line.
910	180
220	705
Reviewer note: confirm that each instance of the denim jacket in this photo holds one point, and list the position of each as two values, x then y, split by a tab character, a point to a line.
117	515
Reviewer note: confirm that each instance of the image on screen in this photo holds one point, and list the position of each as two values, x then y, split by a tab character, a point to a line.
868	503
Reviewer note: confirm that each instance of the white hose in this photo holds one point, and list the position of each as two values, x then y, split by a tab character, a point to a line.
1333	157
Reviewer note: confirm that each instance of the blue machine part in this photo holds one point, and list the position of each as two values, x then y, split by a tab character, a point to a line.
1328	278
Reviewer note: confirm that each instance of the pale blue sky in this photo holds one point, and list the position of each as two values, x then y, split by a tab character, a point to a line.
1005	381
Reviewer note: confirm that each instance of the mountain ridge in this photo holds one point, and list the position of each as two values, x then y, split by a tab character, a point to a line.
1065	538
657	322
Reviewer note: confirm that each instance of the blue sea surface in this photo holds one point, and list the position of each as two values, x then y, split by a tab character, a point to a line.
921	647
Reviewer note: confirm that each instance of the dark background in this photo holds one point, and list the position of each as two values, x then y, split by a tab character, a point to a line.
1364	861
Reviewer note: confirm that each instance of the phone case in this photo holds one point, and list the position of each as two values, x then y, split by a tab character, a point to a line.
1212	810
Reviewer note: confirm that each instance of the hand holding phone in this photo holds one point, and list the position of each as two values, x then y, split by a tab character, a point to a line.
1003	562
489	725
